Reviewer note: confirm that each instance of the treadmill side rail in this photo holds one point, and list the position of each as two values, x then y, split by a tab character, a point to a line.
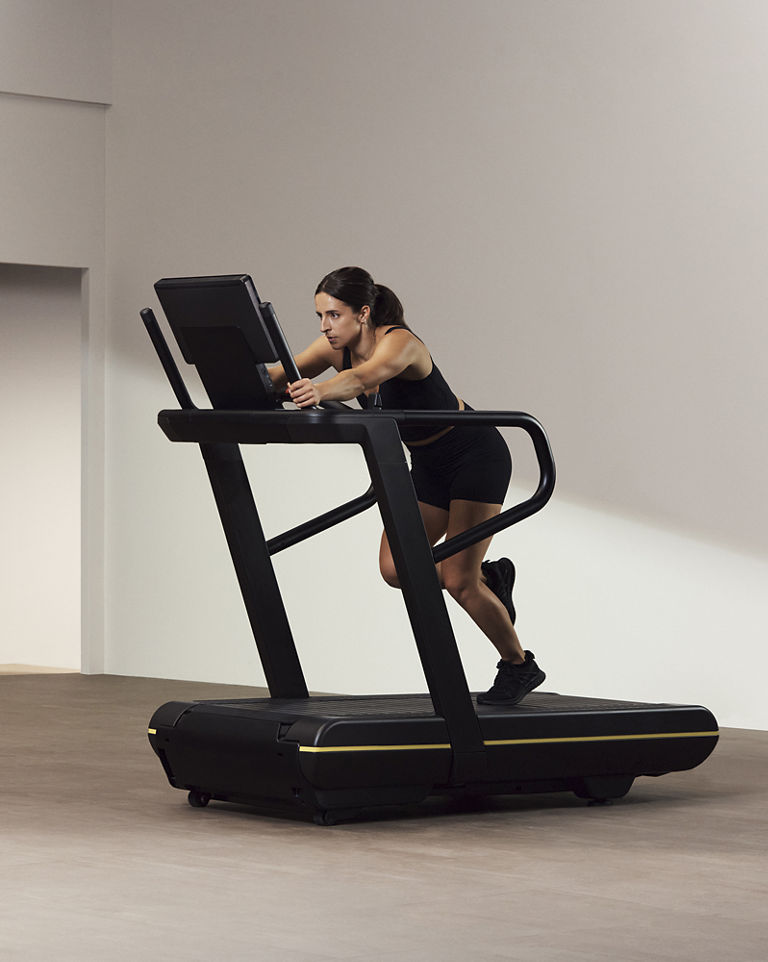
350	753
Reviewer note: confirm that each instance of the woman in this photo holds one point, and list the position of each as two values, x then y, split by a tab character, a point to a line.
460	477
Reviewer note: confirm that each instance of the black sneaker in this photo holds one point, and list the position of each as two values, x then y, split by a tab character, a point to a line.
513	682
500	578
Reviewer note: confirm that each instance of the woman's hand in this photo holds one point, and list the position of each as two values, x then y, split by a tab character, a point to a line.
304	393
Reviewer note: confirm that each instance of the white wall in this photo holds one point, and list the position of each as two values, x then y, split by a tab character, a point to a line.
570	198
40	423
54	78
638	611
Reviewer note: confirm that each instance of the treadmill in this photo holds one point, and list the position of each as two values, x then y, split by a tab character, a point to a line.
331	757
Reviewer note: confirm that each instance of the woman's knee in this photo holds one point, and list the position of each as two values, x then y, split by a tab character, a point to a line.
461	585
389	573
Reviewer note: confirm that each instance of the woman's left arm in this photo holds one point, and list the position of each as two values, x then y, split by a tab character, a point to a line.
393	355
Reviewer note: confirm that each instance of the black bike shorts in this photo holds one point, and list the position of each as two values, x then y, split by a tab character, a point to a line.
467	463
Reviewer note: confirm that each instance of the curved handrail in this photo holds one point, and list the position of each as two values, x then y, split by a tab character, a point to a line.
254	426
518	512
477	532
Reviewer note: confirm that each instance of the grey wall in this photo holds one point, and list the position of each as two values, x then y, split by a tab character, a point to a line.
570	199
55	76
569	195
54	49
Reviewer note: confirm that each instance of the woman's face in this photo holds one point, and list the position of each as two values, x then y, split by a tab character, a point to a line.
339	322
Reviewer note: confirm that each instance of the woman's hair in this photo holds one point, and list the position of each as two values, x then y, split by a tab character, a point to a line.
355	286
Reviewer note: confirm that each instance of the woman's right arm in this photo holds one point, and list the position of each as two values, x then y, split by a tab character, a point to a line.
311	362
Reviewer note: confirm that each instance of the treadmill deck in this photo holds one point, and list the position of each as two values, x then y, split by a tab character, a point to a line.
363	749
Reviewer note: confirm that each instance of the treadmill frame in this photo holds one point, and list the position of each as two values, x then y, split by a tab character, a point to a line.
219	433
283	750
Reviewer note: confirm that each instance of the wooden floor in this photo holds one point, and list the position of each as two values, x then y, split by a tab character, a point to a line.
103	861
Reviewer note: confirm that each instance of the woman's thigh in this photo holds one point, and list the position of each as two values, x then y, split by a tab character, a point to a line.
465	566
435	524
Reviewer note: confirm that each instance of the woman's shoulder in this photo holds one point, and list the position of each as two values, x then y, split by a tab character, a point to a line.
387	329
397	333
409	347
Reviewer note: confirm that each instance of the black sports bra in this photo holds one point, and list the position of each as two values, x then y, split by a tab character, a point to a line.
431	393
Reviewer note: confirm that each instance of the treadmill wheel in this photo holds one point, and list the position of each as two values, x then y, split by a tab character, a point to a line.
333	816
198	799
601	788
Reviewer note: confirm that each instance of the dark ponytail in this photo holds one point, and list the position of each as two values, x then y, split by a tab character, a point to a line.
355	286
387	309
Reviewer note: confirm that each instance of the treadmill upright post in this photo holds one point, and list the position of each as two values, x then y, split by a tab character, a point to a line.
255	574
423	597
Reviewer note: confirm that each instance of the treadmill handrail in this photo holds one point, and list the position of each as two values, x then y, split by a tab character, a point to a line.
243	427
322	522
166	359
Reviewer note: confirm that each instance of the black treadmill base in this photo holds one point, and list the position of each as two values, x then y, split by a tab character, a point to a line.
332	808
346	754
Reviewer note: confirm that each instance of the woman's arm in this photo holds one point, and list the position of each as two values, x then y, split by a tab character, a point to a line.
313	360
393	355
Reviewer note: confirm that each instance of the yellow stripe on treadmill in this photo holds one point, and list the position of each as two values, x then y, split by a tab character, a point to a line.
324	749
369	748
600	738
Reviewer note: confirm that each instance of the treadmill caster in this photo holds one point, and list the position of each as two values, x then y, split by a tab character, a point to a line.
333	816
198	799
600	789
